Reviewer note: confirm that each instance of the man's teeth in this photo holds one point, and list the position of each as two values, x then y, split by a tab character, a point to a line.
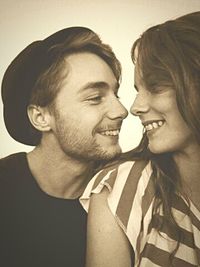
113	133
154	125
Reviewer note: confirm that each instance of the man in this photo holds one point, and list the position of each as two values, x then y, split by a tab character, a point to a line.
59	95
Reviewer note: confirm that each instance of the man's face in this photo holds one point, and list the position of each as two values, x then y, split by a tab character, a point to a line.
87	114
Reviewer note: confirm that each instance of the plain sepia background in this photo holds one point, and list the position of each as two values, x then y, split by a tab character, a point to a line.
117	22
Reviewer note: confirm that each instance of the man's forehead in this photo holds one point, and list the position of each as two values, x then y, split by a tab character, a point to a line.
87	71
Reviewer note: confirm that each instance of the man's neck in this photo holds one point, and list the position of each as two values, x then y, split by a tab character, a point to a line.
58	174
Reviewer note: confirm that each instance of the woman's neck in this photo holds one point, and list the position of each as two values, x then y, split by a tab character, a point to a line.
188	163
189	169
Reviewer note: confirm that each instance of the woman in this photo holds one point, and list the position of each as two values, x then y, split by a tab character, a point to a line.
147	205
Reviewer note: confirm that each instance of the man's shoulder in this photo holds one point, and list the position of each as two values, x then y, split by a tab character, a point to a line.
11	162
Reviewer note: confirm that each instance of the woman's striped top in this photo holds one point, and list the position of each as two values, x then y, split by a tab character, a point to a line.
131	199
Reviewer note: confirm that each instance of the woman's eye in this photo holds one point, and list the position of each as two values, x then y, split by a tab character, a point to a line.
160	89
156	90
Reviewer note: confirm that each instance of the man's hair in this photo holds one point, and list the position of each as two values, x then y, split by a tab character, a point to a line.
50	80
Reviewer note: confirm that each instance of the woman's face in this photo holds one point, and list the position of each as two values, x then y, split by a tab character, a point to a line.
166	130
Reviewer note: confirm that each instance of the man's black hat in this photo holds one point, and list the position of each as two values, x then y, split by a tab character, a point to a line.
21	76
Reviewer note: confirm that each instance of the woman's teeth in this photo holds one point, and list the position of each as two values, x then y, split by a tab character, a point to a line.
154	125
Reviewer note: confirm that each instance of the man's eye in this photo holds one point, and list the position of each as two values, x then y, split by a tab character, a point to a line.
95	100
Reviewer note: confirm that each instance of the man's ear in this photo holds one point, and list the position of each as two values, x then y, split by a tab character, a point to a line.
39	117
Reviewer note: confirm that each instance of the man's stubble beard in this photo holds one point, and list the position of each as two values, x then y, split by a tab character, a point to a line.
78	146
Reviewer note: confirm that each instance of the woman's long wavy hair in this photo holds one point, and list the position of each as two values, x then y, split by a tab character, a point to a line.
170	53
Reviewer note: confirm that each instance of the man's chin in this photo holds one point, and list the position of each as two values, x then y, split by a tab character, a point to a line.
98	153
110	155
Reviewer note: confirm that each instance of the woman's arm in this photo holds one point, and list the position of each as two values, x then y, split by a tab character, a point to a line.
107	244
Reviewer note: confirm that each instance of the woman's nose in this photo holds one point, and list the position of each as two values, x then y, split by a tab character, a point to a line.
140	105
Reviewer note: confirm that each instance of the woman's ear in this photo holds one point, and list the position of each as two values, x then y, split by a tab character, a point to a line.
39	117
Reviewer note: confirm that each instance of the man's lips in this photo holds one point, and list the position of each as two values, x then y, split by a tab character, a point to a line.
110	132
110	129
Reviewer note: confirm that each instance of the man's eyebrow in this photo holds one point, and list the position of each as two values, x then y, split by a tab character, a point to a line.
98	85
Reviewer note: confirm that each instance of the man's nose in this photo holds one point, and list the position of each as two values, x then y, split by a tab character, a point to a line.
140	105
117	110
